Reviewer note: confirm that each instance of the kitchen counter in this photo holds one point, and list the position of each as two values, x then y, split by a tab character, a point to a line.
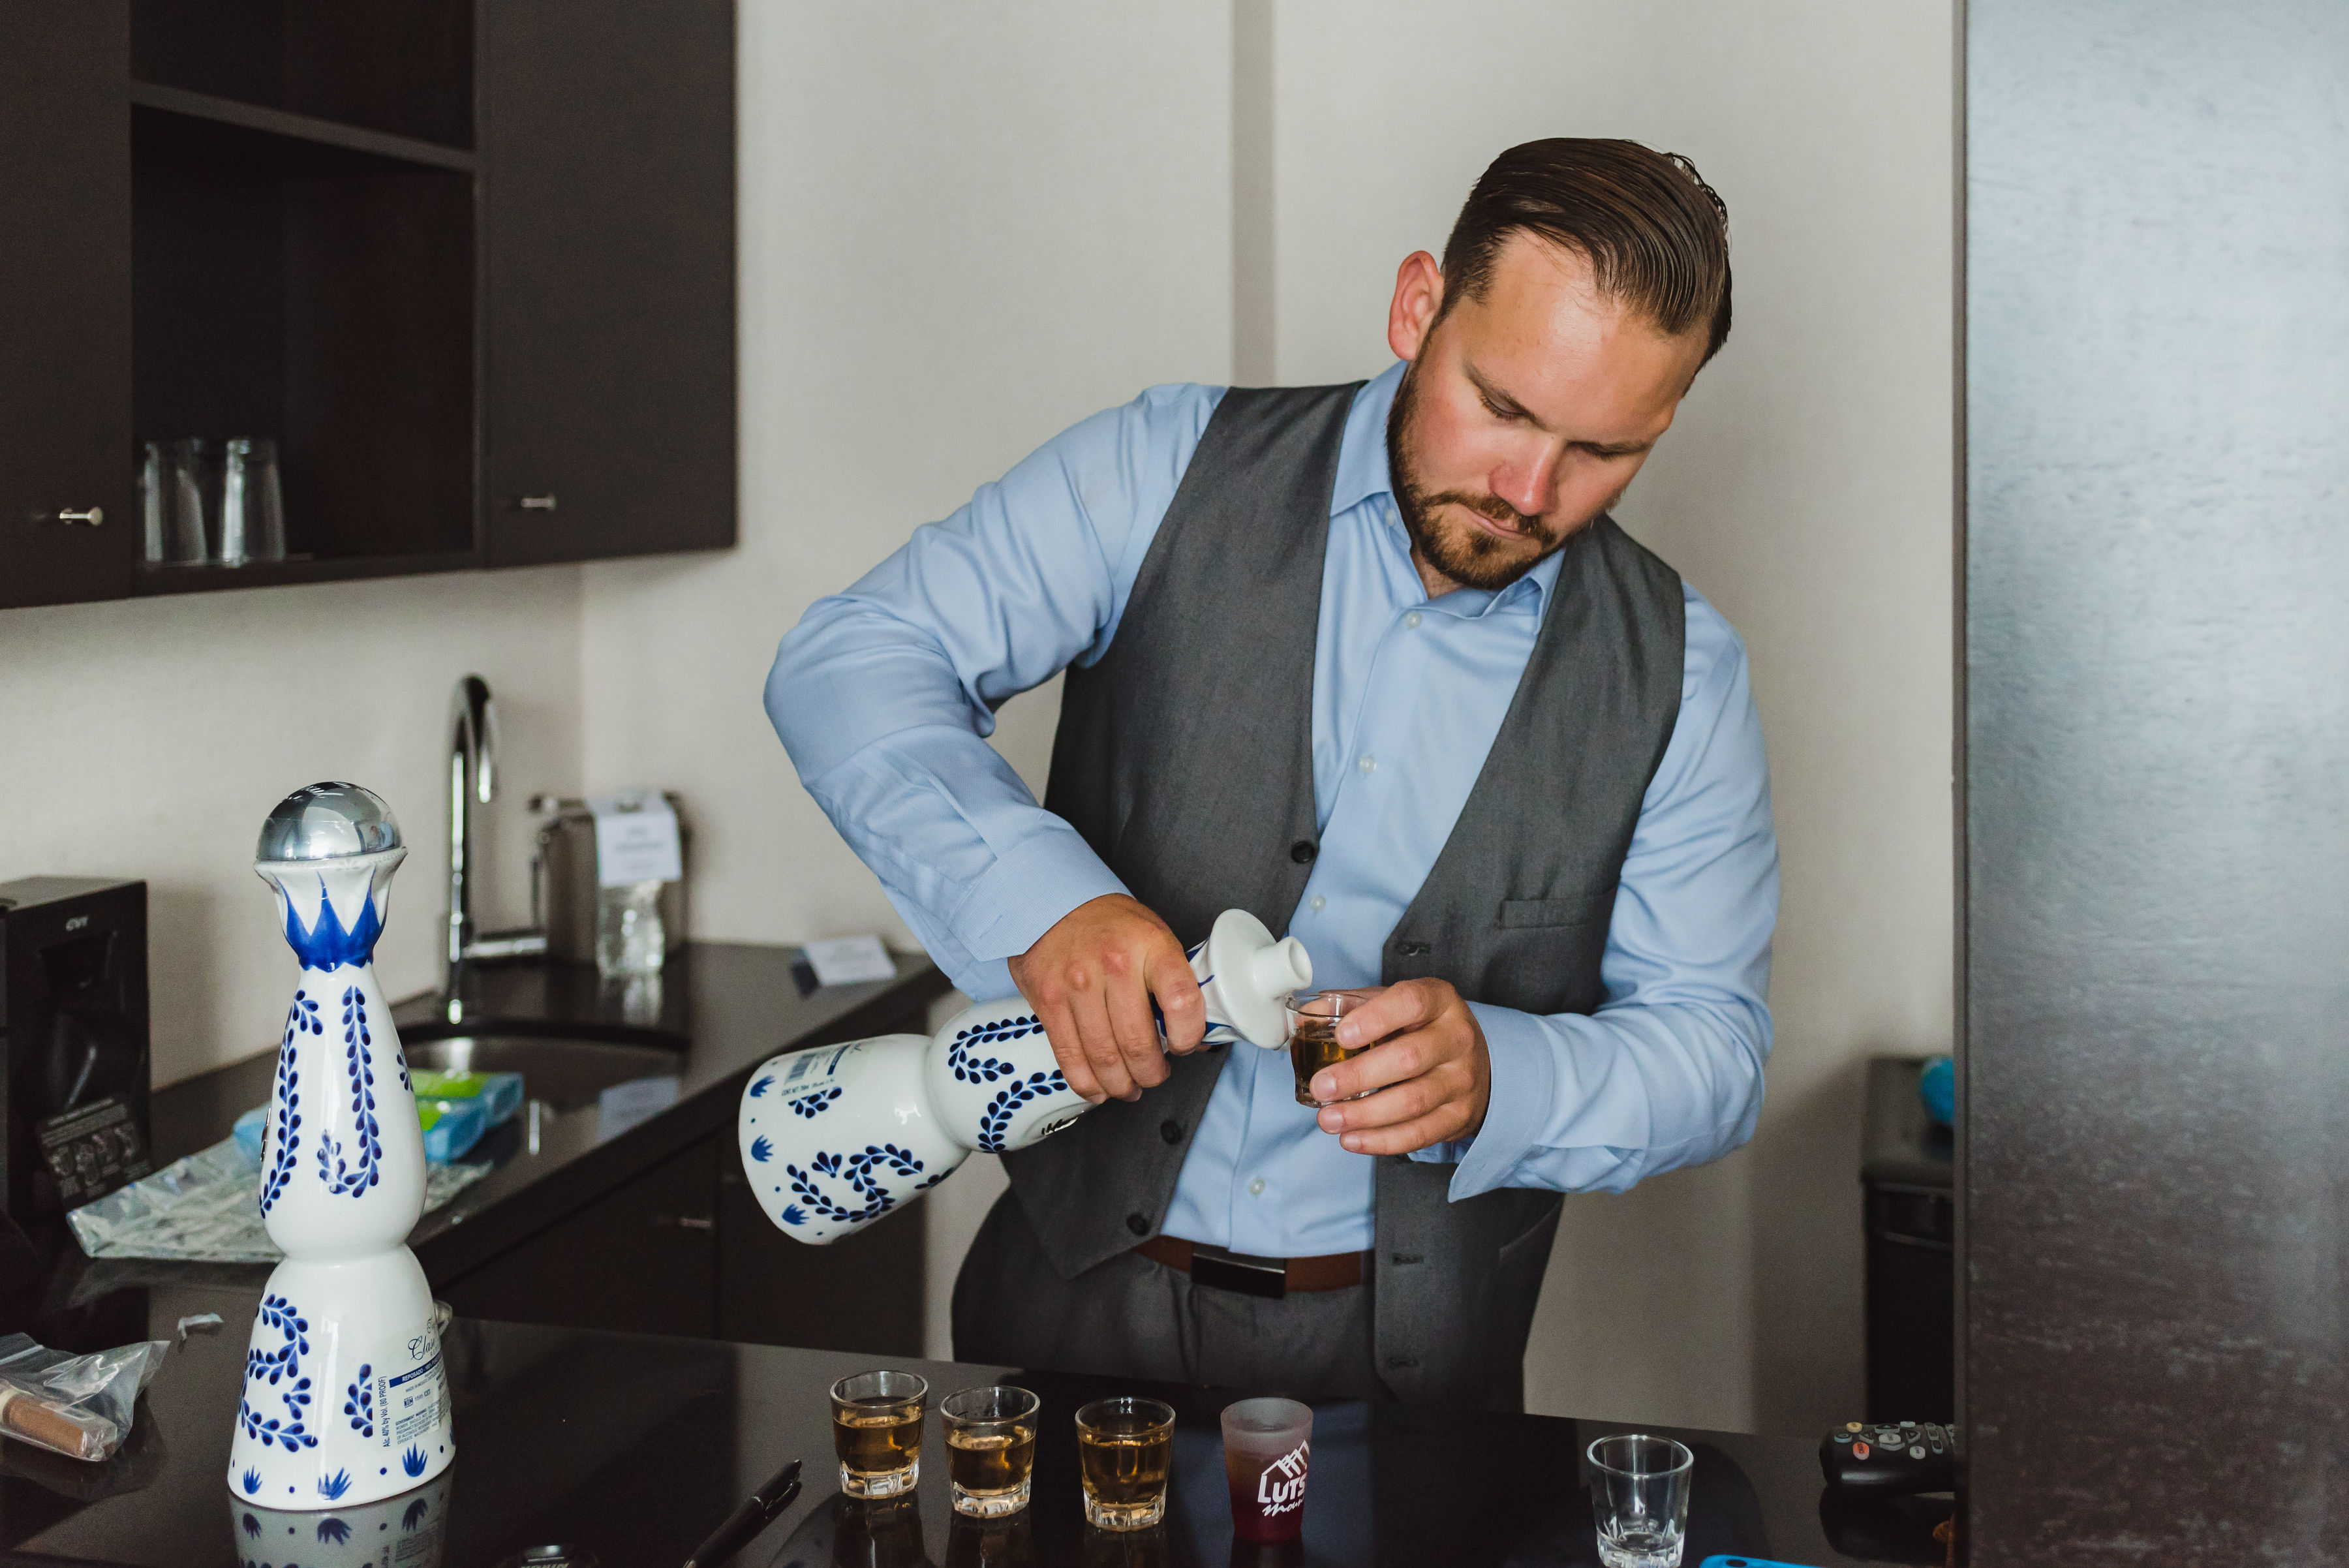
635	1446
717	1011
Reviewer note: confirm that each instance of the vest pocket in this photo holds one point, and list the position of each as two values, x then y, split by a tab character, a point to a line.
1537	914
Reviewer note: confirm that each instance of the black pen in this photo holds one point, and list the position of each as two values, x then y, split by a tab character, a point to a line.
743	1525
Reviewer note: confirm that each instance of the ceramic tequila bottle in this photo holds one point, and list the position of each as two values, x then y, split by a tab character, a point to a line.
345	1399
835	1137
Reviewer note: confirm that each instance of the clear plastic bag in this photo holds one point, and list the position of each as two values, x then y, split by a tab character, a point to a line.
77	1406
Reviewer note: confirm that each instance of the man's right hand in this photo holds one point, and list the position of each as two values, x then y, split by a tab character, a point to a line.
1090	980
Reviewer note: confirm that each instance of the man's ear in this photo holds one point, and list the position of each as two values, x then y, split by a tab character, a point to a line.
1418	300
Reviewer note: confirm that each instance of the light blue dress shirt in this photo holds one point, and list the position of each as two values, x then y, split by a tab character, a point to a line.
884	696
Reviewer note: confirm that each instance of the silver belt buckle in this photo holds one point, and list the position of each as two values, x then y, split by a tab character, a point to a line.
1250	1275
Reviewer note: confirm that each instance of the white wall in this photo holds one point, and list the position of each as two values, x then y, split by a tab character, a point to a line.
1806	491
963	229
149	739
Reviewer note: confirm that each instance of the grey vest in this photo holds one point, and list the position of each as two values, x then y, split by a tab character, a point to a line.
1184	759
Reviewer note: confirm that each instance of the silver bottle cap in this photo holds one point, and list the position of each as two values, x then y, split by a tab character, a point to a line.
331	821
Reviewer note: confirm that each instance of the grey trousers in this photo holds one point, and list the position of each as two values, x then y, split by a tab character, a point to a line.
1130	1317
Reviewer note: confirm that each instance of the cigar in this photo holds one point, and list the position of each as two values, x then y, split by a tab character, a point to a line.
66	1432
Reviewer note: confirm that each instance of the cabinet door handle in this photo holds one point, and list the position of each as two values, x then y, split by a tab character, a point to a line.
685	1222
94	516
535	503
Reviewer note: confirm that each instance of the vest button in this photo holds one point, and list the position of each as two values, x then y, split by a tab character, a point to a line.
1303	851
1171	1131
1138	1223
1412	950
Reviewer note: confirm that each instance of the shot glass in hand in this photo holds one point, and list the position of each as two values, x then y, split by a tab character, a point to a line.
1638	1498
876	1427
1313	1038
990	1450
1125	1446
1267	1445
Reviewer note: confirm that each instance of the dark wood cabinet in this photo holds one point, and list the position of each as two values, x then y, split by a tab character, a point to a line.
67	525
445	254
608	139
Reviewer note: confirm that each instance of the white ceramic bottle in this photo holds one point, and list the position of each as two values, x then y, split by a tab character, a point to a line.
345	1399
835	1137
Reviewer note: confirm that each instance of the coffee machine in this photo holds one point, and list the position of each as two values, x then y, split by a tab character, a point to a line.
73	1043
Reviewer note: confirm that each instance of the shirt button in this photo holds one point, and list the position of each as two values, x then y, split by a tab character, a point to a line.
1256	1188
1319	904
1368	764
1412	620
1171	1130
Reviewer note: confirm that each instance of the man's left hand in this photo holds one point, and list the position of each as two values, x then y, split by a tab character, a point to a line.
1431	1070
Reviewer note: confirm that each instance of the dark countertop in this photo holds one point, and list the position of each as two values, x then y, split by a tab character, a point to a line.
721	1008
637	1445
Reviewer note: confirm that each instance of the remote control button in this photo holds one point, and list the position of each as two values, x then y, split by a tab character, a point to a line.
1917	1450
1851	1426
1843	1437
1859	1450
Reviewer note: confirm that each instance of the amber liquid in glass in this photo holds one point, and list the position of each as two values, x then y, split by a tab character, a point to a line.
987	1464
1313	1047
880	1446
1126	1474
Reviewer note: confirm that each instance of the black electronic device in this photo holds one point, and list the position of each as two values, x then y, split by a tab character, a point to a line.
74	1073
1890	1458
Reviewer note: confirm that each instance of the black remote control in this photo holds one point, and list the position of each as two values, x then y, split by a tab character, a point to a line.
1890	1458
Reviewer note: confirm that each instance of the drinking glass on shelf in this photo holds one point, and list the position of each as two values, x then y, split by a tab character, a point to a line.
1639	1500
172	475
253	503
876	1430
1313	1037
990	1448
1125	1446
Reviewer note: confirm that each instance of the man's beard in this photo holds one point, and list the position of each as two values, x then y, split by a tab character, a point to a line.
1469	557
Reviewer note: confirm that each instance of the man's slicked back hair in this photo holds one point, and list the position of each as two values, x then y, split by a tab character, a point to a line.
1655	235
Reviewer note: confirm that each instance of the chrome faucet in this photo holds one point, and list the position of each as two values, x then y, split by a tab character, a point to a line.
472	776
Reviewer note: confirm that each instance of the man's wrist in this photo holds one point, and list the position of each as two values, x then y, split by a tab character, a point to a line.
1031	890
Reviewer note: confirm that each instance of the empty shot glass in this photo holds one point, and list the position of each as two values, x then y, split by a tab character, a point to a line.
990	1448
876	1429
1313	1038
1124	1448
1268	1448
1638	1498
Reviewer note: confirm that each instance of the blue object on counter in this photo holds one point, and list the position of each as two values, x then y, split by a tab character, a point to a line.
451	1128
1938	1088
499	1092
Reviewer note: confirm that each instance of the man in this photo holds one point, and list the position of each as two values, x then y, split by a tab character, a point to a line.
1373	663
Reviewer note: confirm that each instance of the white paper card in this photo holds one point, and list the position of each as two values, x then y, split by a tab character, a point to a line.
633	1102
850	961
635	838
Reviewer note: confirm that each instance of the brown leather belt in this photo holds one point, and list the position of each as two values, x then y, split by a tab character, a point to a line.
1274	1277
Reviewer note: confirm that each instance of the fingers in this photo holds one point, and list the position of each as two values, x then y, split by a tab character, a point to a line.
1127	1004
1441	1124
1176	990
1389	1061
1069	1050
1098	1039
1406	1005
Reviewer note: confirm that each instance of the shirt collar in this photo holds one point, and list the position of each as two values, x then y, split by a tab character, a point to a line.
1364	475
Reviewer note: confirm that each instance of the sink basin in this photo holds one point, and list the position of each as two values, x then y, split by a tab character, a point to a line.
565	1073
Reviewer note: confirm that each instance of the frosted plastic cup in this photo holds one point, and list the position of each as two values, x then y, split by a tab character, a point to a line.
1268	1447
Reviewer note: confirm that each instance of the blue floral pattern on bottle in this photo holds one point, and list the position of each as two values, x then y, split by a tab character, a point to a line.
962	1050
862	1173
301	1018
333	1531
328	945
334	1486
251	1481
366	1131
761	1149
359	1401
412	1461
279	1369
418	1510
1008	1100
759	1090
813	1104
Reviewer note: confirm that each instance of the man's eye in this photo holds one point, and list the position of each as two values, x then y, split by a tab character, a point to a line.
1499	412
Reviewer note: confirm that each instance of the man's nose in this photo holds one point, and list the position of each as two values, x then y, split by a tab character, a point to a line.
1527	480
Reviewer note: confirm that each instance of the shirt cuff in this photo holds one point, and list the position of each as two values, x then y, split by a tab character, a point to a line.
1025	894
1525	1084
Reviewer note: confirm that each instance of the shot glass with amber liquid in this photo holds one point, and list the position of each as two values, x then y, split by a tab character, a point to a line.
1313	1038
876	1429
1125	1448
990	1450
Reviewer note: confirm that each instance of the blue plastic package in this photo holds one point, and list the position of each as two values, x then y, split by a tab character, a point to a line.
1939	1089
451	1128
